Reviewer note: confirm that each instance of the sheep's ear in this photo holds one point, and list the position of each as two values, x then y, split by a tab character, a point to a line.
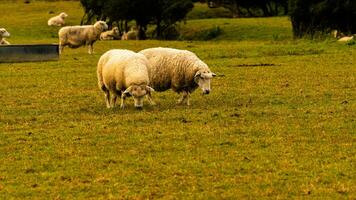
128	90
213	74
197	74
149	89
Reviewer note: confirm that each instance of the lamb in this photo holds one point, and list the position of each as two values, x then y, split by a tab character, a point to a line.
124	73
3	34
76	36
57	20
180	70
110	35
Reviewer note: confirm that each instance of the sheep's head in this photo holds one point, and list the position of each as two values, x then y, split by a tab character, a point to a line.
138	92
203	78
115	31
63	15
4	33
101	25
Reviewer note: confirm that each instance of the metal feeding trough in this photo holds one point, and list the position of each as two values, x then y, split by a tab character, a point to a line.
29	53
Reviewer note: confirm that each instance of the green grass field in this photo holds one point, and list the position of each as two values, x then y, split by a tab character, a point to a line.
279	123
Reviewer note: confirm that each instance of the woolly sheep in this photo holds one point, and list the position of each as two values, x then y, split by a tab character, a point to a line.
346	39
131	35
76	36
124	73
57	20
3	34
180	70
110	35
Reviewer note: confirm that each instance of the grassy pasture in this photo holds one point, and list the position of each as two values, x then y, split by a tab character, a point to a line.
279	123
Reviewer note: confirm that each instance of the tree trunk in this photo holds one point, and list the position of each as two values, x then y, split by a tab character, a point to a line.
158	28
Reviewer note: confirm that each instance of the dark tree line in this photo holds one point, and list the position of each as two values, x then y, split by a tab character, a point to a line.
164	14
310	17
251	8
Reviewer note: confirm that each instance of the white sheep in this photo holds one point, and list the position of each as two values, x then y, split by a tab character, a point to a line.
180	70
131	35
124	73
57	20
110	35
76	36
3	34
346	39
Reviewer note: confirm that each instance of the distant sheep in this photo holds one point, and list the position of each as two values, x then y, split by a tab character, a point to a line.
110	35
57	20
76	36
3	34
131	35
180	70
346	39
124	73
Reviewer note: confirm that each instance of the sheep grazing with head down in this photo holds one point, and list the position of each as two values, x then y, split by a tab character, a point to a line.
57	20
3	35
110	35
180	70
76	36
124	73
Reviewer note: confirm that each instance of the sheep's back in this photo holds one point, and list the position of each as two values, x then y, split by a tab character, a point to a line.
124	68
171	68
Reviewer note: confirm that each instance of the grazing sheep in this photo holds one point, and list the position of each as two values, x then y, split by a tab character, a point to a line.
76	36
3	34
180	70
57	20
124	73
131	35
346	39
110	35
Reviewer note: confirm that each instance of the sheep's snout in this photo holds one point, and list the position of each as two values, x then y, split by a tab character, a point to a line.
206	91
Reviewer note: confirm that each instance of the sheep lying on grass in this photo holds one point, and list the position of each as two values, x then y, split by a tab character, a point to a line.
57	20
124	73
3	34
180	70
110	35
346	39
131	35
76	36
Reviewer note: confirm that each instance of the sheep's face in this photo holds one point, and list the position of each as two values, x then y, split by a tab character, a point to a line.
63	15
203	79
115	30
138	92
4	33
101	25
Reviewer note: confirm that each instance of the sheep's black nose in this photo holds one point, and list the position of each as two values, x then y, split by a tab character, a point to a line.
139	107
206	92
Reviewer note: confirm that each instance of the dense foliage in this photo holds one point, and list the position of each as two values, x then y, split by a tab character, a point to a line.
163	13
240	8
310	17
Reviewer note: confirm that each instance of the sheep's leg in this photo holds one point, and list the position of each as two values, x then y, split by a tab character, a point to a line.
113	100
185	97
90	49
188	99
123	97
107	98
149	97
61	47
